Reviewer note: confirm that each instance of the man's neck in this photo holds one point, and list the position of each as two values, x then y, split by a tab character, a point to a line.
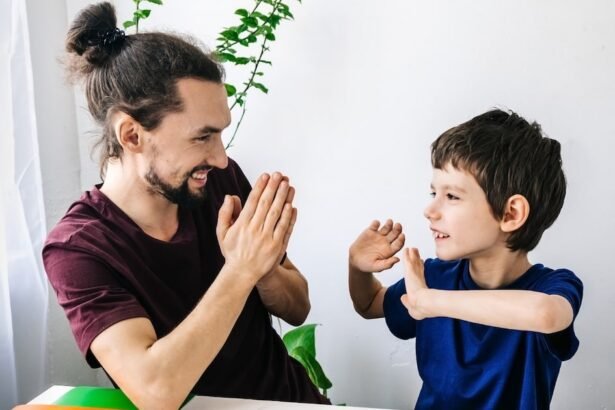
499	269
151	211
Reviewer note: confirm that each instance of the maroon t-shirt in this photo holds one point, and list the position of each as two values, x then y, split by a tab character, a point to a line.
105	269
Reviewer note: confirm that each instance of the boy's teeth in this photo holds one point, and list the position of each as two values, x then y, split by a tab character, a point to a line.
439	235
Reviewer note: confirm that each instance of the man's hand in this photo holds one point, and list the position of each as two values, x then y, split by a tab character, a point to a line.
373	250
254	239
414	277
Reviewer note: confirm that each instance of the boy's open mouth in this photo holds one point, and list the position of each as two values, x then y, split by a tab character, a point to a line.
438	235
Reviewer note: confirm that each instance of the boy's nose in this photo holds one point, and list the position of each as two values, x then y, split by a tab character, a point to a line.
431	211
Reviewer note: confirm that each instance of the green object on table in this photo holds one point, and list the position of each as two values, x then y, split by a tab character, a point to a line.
105	397
96	397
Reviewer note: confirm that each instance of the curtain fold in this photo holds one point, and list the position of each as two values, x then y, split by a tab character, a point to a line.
23	284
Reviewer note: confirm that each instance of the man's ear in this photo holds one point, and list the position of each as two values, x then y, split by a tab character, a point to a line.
128	132
516	212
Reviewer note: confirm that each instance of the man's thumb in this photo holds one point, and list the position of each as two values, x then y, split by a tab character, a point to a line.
225	216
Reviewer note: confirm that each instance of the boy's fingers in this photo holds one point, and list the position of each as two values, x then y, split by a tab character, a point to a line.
374	225
398	243
395	232
386	228
404	301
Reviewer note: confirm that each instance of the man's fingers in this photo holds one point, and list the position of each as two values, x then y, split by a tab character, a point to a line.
374	225
281	229
266	199
276	207
225	216
254	197
289	232
236	207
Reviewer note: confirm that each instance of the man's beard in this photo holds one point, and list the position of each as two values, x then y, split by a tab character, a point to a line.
180	195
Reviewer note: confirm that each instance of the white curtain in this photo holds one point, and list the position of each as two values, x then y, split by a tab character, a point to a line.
23	284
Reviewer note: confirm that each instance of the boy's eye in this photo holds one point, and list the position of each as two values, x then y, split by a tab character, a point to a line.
451	197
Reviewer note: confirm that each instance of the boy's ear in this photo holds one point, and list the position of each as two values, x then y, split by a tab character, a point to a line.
516	212
128	132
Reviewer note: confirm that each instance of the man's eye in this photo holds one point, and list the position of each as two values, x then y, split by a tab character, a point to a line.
451	197
203	137
432	194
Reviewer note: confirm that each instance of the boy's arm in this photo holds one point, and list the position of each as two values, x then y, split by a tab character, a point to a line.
371	252
509	309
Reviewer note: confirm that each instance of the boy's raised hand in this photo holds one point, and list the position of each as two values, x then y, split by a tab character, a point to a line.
375	247
414	277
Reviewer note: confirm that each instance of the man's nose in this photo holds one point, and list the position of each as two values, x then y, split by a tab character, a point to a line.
218	157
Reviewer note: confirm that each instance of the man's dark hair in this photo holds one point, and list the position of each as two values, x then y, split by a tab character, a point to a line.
508	156
135	74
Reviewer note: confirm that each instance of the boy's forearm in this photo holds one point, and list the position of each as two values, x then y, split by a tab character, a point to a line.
366	292
509	309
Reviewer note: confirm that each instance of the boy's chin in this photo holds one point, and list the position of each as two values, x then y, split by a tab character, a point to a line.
447	256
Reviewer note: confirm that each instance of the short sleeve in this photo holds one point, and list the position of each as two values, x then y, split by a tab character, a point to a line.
562	282
92	297
397	318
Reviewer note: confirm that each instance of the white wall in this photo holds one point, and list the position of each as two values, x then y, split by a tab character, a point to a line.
358	91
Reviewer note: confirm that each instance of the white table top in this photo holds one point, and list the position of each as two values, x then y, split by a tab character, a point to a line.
206	402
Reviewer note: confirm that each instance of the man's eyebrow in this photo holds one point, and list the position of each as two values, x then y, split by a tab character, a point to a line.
208	129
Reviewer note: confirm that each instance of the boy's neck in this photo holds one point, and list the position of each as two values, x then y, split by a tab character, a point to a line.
494	272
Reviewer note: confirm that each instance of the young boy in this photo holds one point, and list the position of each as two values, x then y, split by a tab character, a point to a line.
491	328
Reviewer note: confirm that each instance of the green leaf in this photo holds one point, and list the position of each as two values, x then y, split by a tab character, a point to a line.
230	34
261	87
128	23
270	36
241	60
142	13
230	89
223	57
250	21
244	42
311	365
301	336
242	12
260	15
252	38
158	2
266	62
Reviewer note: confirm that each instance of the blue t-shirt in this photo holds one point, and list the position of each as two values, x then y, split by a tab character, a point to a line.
466	365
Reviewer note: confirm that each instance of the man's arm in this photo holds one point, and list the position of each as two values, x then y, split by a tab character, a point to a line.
509	309
159	373
284	292
372	251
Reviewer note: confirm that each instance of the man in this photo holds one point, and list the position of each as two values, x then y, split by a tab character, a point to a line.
168	271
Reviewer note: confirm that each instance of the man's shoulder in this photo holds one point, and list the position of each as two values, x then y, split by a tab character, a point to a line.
84	217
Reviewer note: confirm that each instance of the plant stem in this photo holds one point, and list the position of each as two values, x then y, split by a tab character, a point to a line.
243	112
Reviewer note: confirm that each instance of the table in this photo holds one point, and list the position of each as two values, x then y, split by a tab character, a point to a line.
206	402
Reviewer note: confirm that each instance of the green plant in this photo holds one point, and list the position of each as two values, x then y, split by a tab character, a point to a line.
301	345
244	44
